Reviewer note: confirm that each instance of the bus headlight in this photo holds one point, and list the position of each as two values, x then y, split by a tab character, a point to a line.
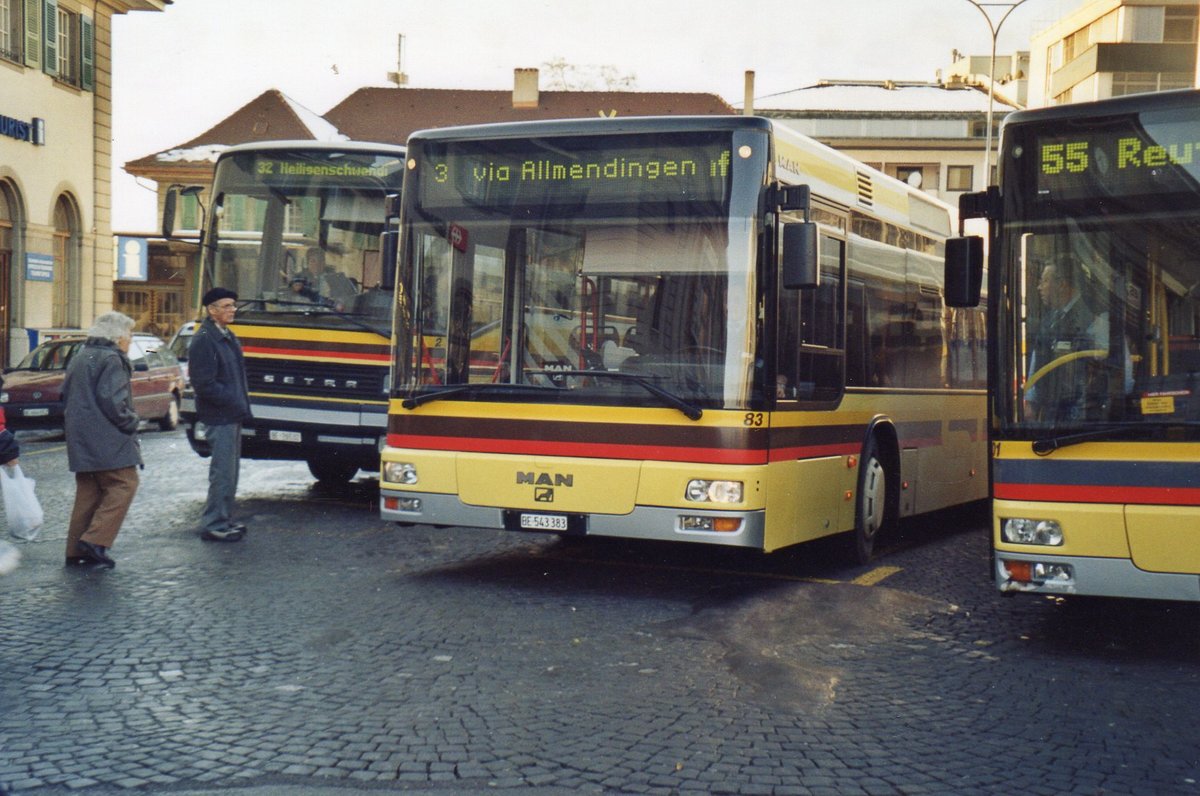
703	491
399	473
1025	531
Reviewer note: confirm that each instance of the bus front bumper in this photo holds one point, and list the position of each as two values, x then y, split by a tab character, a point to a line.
644	522
1109	577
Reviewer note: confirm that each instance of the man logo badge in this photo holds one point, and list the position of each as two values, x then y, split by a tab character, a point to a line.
543	495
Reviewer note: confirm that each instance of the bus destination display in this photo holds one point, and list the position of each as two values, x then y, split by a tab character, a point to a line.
1132	160
283	169
571	172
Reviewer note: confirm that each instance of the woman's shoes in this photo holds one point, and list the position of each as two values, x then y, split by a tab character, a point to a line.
96	553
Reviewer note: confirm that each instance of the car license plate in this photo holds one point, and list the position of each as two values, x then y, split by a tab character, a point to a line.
543	522
36	412
284	436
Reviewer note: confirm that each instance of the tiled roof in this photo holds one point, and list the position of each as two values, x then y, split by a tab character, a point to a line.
389	115
270	116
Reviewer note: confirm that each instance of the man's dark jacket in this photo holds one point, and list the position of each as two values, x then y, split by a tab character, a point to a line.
217	371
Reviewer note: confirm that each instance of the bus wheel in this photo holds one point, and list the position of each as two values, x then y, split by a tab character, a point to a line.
871	508
331	468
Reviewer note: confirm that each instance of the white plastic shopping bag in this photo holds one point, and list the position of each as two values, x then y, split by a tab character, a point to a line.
21	505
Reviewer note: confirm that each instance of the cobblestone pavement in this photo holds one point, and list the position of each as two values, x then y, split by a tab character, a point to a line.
330	652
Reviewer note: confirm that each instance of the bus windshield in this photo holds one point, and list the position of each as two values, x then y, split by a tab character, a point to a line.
606	269
297	233
1102	294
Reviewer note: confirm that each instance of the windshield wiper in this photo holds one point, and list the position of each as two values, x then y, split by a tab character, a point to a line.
1047	445
413	401
690	410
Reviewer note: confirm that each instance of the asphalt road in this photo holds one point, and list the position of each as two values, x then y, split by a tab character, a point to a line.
331	653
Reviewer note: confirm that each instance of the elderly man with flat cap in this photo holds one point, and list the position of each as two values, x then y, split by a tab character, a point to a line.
218	374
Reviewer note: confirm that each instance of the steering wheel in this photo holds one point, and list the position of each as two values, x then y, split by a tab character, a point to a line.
1054	364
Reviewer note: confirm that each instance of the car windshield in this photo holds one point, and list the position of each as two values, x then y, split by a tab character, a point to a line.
50	356
179	346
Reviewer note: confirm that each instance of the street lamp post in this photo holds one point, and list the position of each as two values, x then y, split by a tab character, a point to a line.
994	26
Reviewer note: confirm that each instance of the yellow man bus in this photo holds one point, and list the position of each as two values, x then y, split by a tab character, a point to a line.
297	229
711	330
1094	286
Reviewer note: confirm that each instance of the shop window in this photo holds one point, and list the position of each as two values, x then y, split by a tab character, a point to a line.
959	178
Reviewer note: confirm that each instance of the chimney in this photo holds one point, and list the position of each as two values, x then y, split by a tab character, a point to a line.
748	100
525	88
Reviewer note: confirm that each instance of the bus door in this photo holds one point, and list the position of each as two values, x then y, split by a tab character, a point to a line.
810	359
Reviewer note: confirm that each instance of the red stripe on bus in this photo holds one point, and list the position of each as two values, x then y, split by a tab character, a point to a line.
529	447
1090	493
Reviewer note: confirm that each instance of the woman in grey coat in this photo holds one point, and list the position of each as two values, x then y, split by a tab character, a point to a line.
102	444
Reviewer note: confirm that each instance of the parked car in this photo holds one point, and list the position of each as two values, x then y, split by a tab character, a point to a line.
32	391
180	342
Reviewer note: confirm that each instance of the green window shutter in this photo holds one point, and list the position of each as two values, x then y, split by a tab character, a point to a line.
87	53
190	214
33	33
50	37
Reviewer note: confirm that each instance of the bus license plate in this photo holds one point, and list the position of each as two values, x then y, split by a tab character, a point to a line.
543	522
284	436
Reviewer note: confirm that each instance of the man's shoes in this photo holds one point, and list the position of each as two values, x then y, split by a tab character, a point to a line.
238	526
77	561
97	553
230	534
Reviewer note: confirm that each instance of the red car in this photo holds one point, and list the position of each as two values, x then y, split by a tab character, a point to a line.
32	391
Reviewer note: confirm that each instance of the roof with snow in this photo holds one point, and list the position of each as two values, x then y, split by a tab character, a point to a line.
270	116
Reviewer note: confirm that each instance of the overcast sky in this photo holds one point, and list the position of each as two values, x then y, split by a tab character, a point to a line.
179	72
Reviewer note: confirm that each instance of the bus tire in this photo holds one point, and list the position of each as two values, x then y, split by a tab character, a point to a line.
872	508
331	468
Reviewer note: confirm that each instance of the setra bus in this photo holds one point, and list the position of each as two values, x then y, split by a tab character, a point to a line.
711	330
1094	322
297	229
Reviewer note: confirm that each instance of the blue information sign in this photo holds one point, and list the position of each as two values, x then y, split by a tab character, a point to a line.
132	258
39	267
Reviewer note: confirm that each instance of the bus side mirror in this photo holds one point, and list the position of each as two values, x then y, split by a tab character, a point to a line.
168	217
389	241
801	263
171	204
964	271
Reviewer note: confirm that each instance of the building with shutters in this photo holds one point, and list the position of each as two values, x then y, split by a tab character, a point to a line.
56	252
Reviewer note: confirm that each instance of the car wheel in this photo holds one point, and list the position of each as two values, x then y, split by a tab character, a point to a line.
170	421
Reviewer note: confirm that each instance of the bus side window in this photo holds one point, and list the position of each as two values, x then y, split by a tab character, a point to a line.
811	356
